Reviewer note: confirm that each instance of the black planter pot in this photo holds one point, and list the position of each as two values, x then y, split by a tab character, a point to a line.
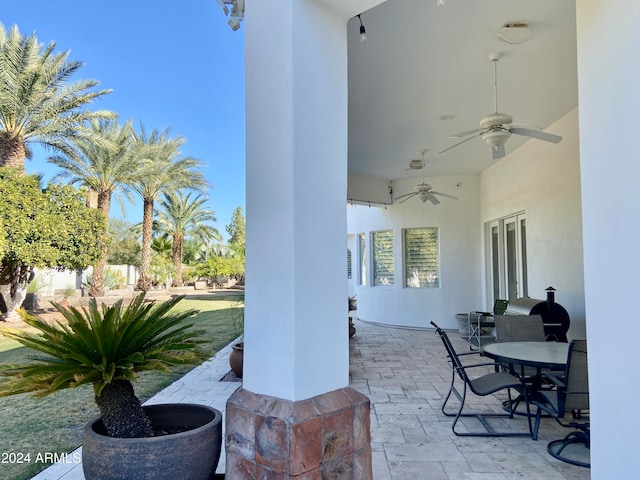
189	455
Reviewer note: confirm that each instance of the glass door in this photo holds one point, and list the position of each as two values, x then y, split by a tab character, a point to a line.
495	261
511	258
515	254
507	257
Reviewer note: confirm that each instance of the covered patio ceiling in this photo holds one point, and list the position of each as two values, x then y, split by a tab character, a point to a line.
422	63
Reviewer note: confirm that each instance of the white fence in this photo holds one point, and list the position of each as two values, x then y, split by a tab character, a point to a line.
56	280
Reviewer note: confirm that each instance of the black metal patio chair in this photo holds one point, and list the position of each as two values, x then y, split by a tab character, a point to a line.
484	385
520	328
571	396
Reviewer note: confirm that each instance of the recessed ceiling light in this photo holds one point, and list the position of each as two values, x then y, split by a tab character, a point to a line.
446	117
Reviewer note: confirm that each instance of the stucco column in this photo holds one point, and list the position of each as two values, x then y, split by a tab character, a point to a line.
608	80
295	416
296	96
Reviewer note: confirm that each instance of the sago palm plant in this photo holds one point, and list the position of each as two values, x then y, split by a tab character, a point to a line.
105	346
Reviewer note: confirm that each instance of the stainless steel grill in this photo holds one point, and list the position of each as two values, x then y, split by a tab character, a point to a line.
554	316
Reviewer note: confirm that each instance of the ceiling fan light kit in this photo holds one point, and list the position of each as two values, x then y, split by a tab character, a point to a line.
495	138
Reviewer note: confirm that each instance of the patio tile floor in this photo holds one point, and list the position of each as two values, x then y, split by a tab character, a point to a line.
405	374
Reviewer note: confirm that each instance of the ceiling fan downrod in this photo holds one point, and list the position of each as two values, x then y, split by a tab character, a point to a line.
494	57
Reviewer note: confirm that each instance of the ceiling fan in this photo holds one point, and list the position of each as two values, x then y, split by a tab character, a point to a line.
423	190
497	128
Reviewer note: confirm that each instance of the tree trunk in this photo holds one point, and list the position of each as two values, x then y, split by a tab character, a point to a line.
121	411
12	302
12	151
144	282
14	280
97	284
176	257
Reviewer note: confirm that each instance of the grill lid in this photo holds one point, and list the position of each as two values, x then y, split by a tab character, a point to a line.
522	306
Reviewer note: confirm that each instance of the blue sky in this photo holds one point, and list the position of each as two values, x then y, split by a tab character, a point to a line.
170	64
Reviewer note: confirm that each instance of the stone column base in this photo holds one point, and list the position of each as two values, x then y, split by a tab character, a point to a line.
326	437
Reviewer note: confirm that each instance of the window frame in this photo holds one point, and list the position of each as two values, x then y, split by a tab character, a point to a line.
405	266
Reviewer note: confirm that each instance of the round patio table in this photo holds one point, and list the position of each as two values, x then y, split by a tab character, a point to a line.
549	355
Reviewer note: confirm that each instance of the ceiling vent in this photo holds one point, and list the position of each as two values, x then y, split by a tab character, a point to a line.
416	164
515	32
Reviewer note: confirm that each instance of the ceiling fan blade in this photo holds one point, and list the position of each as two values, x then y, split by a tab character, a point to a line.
433	199
444	195
462	141
547	137
498	152
468	132
408	196
527	125
404	196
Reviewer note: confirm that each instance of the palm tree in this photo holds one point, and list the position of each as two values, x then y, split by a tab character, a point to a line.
105	168
180	216
162	169
37	101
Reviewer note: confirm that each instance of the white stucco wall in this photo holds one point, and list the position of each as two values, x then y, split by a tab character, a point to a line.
543	180
460	255
362	189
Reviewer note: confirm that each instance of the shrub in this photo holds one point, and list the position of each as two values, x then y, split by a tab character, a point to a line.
112	279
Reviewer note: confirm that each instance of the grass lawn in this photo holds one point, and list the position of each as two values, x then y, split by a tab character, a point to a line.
54	424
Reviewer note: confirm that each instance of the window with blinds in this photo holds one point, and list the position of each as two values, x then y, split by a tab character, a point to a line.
348	263
421	262
382	245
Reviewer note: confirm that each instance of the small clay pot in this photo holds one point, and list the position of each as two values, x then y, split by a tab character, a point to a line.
236	359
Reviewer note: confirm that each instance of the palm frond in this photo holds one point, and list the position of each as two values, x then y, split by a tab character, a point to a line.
38	101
